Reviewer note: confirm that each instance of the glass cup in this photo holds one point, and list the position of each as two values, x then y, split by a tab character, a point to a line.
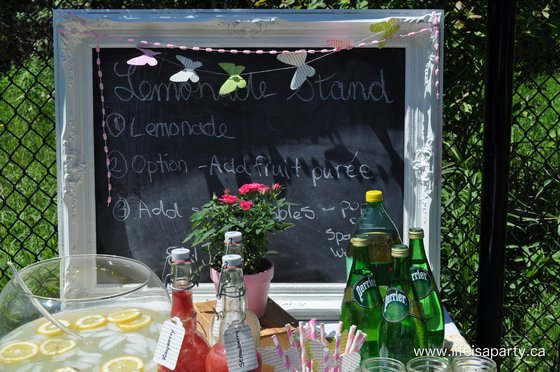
381	364
473	364
427	364
112	308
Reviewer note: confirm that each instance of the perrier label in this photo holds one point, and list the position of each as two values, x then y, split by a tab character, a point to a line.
402	328
422	281
361	305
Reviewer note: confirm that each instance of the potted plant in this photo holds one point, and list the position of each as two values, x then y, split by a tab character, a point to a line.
251	212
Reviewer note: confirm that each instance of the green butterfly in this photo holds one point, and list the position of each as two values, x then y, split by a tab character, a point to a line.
234	81
387	27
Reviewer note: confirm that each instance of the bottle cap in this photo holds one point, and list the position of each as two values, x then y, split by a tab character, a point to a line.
234	236
374	196
399	250
231	260
360	241
416	233
180	254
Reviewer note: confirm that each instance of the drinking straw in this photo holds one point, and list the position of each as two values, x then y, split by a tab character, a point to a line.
40	307
291	336
351	333
325	360
302	346
361	342
312	324
281	353
322	333
339	327
336	355
355	341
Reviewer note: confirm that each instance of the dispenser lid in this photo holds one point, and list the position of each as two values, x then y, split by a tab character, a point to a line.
234	236
183	254
232	260
374	196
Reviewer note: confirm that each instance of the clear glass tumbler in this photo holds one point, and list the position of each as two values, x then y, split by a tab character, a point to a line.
473	364
382	365
112	308
428	364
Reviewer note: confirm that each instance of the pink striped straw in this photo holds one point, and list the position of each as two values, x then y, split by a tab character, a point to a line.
322	333
291	336
312	324
360	342
325	360
339	327
302	346
351	333
355	341
336	355
281	353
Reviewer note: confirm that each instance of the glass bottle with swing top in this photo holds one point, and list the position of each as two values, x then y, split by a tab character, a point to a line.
194	348
233	244
235	350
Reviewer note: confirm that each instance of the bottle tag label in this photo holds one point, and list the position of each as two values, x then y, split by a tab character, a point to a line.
169	344
366	293
241	354
396	306
218	319
422	282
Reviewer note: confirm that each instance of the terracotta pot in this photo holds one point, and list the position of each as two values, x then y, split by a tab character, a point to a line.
257	286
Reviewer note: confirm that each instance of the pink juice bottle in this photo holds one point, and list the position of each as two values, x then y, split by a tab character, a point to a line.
194	348
235	340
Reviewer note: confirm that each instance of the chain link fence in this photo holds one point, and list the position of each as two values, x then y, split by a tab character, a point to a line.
28	212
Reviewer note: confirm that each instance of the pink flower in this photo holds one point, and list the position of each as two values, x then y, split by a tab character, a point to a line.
276	187
228	199
249	187
264	189
245	204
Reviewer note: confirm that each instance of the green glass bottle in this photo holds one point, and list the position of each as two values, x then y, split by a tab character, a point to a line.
361	305
426	288
374	218
402	328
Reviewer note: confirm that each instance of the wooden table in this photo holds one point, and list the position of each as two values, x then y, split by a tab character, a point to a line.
272	323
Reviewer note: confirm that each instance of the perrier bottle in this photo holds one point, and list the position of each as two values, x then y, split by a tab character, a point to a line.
402	328
426	288
374	219
361	305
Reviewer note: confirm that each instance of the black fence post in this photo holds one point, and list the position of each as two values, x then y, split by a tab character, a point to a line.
495	173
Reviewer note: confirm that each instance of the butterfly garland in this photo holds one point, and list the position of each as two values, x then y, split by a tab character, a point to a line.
296	59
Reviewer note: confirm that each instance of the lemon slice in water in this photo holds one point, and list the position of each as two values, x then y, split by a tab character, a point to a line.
124	316
56	346
90	322
125	363
143	321
18	352
49	329
66	369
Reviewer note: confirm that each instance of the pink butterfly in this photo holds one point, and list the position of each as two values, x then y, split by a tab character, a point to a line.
340	44
145	59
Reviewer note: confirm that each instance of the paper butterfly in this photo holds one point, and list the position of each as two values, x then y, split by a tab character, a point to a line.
303	71
387	27
145	59
188	72
234	81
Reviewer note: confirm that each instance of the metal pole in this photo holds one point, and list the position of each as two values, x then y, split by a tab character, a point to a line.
495	174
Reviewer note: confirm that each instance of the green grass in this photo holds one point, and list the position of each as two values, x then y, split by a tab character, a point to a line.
28	215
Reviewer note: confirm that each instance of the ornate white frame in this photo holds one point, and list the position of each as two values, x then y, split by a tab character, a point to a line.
77	32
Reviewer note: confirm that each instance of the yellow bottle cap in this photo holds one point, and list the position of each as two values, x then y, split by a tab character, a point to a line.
374	196
416	233
399	250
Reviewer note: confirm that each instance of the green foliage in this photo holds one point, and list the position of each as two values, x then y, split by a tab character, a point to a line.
252	212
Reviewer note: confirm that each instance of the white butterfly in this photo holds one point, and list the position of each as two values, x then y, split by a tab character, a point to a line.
303	71
188	72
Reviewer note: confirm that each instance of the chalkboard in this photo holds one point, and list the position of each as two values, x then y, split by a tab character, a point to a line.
365	117
173	145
